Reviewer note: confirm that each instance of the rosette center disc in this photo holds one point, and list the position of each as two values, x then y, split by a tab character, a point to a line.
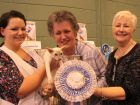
75	80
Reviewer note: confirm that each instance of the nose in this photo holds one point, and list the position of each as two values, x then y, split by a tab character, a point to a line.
63	35
121	28
20	31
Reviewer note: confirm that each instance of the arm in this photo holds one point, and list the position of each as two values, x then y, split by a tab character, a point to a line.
14	83
129	87
112	93
31	82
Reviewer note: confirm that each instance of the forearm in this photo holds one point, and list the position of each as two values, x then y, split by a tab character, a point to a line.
31	82
112	93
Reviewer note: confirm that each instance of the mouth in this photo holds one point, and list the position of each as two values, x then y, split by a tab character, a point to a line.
64	43
20	38
121	33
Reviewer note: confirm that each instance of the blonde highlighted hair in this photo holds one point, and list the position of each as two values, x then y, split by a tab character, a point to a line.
126	14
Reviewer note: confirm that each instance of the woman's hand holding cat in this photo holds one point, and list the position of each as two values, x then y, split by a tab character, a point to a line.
48	90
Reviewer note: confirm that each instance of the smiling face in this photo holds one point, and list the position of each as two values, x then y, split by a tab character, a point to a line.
14	33
64	35
122	30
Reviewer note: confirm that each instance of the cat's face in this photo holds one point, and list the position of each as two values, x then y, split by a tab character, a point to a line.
56	53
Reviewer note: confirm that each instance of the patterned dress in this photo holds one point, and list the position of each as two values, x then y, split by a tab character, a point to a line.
126	73
10	78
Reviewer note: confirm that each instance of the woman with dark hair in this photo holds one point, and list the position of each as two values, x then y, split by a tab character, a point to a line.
21	69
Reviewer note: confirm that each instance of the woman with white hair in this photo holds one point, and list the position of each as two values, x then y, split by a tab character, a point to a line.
123	69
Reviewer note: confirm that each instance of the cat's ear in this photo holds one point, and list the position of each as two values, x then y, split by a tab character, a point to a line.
50	50
62	47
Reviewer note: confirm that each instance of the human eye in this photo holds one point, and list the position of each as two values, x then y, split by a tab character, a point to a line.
117	25
127	26
58	33
14	29
23	29
67	31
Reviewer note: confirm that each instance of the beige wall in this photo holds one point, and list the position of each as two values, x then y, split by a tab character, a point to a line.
96	14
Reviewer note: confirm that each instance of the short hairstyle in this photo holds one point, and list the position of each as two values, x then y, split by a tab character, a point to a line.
61	16
4	19
128	15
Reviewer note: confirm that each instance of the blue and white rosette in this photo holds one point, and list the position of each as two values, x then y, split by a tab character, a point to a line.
75	81
105	50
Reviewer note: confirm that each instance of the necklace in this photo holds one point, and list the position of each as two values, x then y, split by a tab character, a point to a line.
121	52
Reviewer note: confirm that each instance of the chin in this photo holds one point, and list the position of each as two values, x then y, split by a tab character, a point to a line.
19	43
120	41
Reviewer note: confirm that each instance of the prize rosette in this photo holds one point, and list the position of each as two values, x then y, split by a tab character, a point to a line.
105	49
75	80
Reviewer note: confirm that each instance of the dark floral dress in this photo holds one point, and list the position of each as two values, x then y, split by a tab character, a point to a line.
10	78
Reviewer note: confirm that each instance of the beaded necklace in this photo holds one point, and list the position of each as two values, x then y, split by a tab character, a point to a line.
120	53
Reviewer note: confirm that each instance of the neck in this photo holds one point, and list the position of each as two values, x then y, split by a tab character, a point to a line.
13	48
123	50
69	51
127	45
